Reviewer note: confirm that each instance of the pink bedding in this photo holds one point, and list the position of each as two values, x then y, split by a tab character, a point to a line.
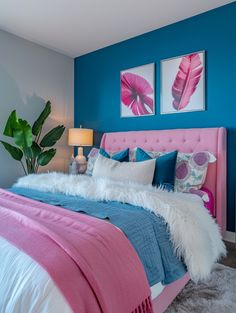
91	261
210	203
207	198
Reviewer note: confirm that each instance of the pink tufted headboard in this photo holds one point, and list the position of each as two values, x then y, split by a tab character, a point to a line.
184	140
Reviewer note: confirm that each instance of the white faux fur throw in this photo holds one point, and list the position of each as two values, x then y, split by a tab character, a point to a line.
194	233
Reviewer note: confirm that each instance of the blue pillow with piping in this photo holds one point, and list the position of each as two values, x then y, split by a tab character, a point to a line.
121	156
164	175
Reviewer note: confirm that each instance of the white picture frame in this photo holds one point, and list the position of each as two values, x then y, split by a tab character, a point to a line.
174	97
132	81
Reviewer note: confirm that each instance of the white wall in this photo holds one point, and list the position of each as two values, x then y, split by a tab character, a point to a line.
30	75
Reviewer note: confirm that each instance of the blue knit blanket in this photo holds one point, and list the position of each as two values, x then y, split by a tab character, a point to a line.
147	232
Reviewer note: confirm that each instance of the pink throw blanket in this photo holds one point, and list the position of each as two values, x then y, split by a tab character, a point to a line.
90	260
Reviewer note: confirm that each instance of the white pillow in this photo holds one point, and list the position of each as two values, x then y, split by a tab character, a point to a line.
138	172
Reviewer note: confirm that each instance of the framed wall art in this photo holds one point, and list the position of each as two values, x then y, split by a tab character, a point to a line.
183	83
137	91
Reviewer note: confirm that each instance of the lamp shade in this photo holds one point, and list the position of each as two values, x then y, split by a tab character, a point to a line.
80	137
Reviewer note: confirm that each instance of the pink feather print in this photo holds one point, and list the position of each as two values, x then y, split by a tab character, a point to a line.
186	80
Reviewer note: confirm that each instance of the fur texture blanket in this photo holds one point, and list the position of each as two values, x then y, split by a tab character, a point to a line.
195	235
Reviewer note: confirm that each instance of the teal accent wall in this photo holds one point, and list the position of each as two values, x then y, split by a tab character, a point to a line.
97	81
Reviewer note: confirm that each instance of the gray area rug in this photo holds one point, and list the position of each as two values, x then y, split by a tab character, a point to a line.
217	295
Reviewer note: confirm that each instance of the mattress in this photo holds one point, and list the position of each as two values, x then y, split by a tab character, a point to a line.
156	290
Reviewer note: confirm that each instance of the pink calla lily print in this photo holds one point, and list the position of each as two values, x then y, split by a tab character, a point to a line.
137	93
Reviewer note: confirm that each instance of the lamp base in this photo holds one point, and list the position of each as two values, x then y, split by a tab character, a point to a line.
81	168
81	161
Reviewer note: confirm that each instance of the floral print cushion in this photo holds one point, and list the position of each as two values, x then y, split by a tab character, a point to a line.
132	155
92	157
153	154
191	170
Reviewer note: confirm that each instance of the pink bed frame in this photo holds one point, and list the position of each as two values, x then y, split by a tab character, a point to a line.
184	140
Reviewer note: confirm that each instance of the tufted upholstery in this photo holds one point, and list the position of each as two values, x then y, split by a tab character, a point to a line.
184	140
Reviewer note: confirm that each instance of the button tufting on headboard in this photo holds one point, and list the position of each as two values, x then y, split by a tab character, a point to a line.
185	140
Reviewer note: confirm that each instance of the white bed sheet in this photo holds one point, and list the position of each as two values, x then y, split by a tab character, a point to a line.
156	290
29	286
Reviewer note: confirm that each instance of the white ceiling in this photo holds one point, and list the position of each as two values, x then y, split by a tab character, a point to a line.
76	27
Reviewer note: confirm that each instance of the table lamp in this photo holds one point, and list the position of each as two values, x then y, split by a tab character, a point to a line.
80	137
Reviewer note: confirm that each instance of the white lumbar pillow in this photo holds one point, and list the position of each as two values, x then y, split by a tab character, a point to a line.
138	172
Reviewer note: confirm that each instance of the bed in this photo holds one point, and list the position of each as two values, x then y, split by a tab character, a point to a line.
185	140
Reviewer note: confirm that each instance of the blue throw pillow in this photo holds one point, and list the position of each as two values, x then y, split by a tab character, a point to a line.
164	175
122	156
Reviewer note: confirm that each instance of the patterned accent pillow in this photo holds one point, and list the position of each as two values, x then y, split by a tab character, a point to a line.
191	170
92	157
132	155
121	156
152	154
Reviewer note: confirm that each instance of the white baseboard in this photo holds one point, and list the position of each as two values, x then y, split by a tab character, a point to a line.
230	236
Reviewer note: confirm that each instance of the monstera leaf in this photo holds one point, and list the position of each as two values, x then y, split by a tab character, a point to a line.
52	137
38	124
45	157
16	153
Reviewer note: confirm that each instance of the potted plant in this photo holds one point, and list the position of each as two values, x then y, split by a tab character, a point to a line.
29	149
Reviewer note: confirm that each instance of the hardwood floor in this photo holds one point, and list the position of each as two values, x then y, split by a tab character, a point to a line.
230	260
